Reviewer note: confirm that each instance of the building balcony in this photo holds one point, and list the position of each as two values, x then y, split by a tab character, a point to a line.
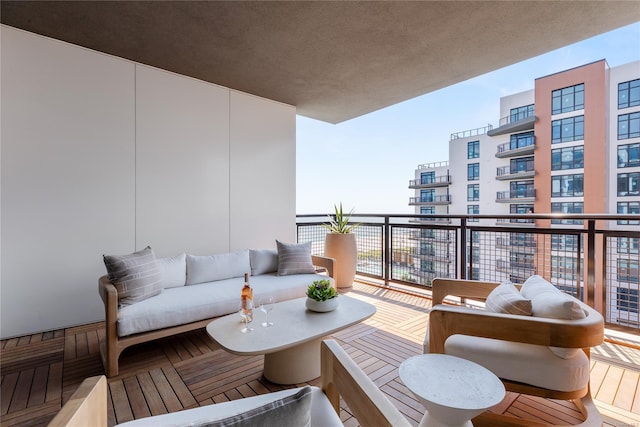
507	173
511	124
438	181
526	246
444	199
512	222
506	150
510	266
432	255
516	196
423	220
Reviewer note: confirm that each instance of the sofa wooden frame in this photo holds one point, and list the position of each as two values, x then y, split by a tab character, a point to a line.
446	320
341	377
111	345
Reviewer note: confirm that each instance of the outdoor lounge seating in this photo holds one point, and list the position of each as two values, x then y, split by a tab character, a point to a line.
341	377
535	355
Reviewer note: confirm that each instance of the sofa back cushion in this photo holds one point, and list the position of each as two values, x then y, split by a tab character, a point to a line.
135	276
263	261
209	268
174	271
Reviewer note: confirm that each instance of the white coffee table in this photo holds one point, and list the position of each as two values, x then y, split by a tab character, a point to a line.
291	347
453	390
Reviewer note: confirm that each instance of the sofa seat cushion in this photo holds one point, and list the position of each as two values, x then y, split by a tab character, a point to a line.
322	413
527	363
187	304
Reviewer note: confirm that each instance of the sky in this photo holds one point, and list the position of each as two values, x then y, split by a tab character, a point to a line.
366	163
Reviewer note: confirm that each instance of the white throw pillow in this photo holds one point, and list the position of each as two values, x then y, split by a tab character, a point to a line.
505	298
209	268
174	271
263	261
535	285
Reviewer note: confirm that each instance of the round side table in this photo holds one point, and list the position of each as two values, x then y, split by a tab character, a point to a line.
453	390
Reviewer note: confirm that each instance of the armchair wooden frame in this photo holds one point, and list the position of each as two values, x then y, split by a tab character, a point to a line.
341	377
447	320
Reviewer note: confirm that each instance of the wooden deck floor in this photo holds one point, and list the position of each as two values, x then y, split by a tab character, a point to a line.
40	372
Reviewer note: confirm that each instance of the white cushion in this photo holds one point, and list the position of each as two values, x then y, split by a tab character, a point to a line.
505	298
527	363
186	304
208	268
536	285
263	261
174	271
322	413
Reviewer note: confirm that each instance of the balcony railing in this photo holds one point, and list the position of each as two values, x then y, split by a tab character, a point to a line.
509	172
516	195
509	150
438	181
597	263
443	199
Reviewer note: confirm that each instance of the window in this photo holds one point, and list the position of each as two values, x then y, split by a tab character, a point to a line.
567	208
520	260
427	196
567	185
568	99
520	140
521	239
427	266
628	208
475	254
629	94
567	158
427	248
564	267
569	129
473	149
520	113
427	177
564	242
523	164
627	270
473	210
629	125
629	184
628	245
522	189
473	172
473	192
628	155
627	300
427	210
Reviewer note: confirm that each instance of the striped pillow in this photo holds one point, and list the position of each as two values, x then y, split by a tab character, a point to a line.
506	299
136	276
294	258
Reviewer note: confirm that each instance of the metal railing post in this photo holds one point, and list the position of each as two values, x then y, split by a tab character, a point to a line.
591	263
462	250
387	252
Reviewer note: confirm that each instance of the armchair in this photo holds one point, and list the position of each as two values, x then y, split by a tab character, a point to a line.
517	348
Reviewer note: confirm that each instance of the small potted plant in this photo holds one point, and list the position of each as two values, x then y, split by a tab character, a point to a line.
322	296
340	244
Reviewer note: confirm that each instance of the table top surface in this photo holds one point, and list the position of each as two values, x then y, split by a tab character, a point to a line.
293	325
451	381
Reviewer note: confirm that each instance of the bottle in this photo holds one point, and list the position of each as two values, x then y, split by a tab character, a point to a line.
247	299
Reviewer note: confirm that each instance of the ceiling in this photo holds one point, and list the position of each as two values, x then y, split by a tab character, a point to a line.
333	60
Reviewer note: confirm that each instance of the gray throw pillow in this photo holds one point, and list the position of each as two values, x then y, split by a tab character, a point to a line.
293	410
294	258
136	276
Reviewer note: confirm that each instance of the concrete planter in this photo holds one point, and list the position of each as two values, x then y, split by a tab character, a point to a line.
342	247
322	306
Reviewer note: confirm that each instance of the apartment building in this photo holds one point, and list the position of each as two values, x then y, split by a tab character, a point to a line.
570	145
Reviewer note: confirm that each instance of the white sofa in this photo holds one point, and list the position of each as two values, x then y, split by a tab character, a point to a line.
194	290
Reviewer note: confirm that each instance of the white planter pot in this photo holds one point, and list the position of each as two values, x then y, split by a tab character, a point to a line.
322	306
342	247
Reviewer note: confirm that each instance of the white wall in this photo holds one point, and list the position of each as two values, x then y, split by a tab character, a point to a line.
102	155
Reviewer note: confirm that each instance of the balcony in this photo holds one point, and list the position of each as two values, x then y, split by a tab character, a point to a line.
444	199
514	123
438	181
439	255
507	173
516	196
522	246
507	150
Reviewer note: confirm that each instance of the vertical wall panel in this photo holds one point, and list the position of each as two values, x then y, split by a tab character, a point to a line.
182	164
263	175
67	178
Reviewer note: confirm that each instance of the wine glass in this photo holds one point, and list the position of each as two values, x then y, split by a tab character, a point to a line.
246	316
266	305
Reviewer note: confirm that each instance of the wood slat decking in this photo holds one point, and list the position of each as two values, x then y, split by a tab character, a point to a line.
41	371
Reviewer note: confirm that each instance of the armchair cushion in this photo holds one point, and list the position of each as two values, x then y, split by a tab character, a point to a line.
505	298
527	363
